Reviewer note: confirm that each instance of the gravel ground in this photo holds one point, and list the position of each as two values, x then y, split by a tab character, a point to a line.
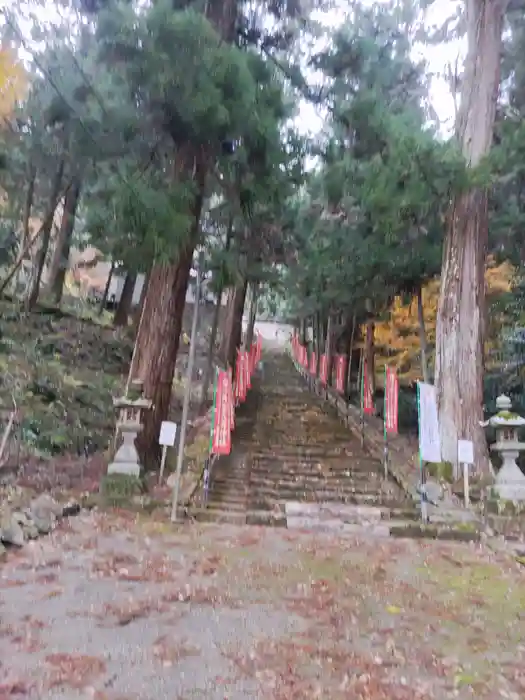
111	607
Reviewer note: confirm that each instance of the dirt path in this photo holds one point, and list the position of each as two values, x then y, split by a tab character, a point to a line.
110	608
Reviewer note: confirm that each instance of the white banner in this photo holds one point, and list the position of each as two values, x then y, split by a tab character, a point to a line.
429	442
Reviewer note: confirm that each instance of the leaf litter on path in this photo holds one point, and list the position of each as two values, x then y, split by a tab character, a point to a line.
272	615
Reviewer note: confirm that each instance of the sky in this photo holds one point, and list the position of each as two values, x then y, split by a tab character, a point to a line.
437	57
310	121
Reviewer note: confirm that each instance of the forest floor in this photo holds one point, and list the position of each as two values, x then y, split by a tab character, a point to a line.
118	607
63	372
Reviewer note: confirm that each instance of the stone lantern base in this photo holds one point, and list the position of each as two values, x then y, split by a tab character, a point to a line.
126	460
510	481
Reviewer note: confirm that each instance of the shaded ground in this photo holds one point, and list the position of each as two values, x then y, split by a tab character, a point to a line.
113	608
63	373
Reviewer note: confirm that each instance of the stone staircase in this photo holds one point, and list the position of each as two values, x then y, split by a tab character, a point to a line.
228	497
296	465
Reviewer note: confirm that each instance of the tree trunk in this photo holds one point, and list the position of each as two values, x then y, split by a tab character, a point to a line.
215	324
159	335
104	299
211	348
164	305
329	351
460	321
28	206
34	289
59	262
324	333
226	324
252	316
302	331
423	348
235	329
317	343
126	299
348	378
370	354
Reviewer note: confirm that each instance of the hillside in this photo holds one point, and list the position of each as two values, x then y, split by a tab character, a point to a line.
64	371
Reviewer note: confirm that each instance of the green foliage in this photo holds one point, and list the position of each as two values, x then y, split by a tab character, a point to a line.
370	223
192	93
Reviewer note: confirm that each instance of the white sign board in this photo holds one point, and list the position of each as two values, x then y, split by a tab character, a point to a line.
465	452
429	442
168	433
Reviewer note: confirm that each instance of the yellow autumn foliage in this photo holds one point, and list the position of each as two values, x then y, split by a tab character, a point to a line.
397	339
13	80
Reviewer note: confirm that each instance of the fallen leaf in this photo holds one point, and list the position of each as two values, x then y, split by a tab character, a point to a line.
73	670
393	609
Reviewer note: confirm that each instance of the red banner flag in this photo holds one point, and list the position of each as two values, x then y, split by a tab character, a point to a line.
232	417
391	400
340	371
247	371
259	347
303	356
323	369
313	363
222	442
240	378
366	395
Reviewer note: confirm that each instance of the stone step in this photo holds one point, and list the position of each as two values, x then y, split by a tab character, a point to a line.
295	434
344	512
336	465
312	483
344	451
230	485
513	529
319	464
460	532
270	498
314	473
332	487
297	522
231	480
339	454
227	473
409	513
226	495
378	528
265	517
226	504
304	425
215	515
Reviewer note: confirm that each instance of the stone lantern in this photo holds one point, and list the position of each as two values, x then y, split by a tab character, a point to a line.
129	424
510	481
